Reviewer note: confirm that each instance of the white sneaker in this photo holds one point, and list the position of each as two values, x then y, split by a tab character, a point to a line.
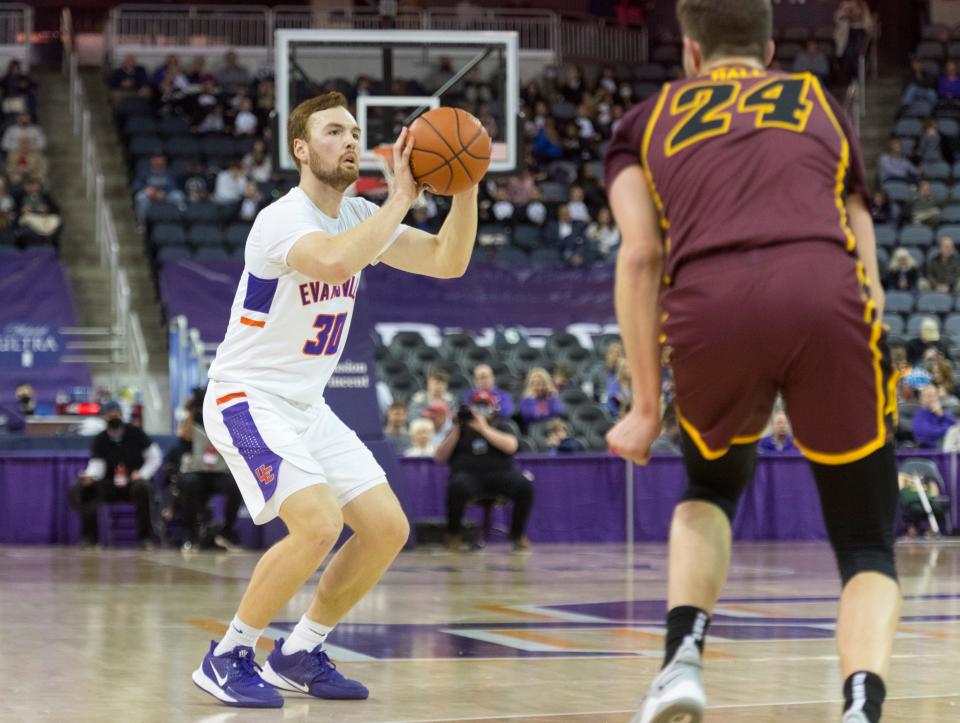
855	716
676	694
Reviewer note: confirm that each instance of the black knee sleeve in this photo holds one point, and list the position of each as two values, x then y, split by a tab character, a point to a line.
859	502
720	481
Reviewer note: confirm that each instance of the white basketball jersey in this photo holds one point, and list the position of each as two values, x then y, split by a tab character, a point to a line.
287	331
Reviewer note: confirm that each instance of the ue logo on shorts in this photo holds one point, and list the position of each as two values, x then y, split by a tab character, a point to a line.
264	474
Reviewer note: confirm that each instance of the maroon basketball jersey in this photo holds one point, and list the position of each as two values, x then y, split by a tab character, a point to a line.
740	159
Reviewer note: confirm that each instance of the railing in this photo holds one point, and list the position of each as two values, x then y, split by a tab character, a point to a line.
601	40
536	29
189	361
16	31
297	17
122	345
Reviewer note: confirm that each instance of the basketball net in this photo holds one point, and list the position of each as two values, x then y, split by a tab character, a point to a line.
384	154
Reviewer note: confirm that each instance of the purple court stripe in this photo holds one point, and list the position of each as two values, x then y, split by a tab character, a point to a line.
260	293
263	462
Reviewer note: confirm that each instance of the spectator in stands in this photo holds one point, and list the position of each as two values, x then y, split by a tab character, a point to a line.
558	231
941	376
929	339
395	430
924	209
894	166
931	147
604	233
129	76
421	439
439	414
902	273
26	162
203	474
484	381
931	422
559	440
619	396
155	184
19	90
232	75
813	60
196	189
39	220
913	512
502	209
918	85
547	142
585	129
574	148
171	75
669	440
24	126
779	440
604	378
266	100
882	209
562	377
540	399
853	23
198	73
436	391
522	188
949	85
943	270
230	183
8	207
122	462
578	250
479	450
245	122
578	209
257	164
250	203
213	121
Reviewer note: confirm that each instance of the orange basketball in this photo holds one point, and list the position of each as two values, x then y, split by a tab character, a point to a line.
451	150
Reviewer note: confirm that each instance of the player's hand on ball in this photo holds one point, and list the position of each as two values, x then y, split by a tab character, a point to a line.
404	186
633	435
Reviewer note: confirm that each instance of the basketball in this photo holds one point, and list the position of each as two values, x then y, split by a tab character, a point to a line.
451	151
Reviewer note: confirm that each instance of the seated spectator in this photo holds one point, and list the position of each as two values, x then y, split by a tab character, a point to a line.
171	75
24	162
257	164
122	462
266	100
8	207
578	209
232	76
154	184
129	76
395	430
607	375
943	270
931	147
212	120
562	377
574	148
203	474
812	60
421	439
604	233
883	210
250	203
502	209
522	189
540	399
547	143
619	396
924	208
39	218
669	440
577	250
918	85
941	377
439	414
488	121
436	391
484	381
931	422
480	449
893	165
949	85
24	126
230	183
914	513
779	440
245	122
559	440
19	90
929	339
902	273
198	73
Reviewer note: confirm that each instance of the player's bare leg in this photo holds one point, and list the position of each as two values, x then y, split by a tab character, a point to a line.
380	530
699	555
869	610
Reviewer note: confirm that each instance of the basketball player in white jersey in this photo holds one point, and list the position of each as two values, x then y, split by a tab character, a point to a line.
265	412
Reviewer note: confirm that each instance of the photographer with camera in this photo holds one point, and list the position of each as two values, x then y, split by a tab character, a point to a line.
204	474
479	449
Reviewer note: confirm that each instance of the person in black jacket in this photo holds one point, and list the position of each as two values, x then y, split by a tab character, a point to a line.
123	460
479	450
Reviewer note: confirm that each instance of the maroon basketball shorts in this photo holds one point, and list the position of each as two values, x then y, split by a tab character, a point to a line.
796	319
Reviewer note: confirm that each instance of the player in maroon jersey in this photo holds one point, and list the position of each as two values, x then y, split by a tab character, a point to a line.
749	262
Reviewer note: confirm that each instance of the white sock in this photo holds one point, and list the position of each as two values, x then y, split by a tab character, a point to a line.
238	633
305	636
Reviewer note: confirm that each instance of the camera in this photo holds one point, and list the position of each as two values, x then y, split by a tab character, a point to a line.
464	414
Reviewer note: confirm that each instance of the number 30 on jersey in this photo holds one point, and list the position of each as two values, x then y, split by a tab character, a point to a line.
706	109
329	333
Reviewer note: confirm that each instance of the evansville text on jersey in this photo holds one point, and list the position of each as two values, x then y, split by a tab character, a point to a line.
314	292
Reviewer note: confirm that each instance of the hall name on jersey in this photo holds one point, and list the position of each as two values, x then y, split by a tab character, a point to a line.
316	291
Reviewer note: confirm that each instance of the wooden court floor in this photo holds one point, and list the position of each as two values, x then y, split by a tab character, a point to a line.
563	633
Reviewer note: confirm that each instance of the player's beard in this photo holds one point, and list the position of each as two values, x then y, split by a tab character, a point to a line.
339	178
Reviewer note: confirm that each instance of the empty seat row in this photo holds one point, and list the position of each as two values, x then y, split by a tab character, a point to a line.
917	234
199	212
199	234
910	325
913	127
186	146
934	302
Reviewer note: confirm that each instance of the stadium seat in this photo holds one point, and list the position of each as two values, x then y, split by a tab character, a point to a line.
668	55
205	234
787	52
576	357
211	253
950	214
898	191
526	236
930	50
916	235
139	125
475	356
511	257
544	258
563	171
918	109
403	387
588	416
900	302
454	343
908	146
133	105
939	191
405	343
144	146
186	147
218	147
237	233
796	34
917	254
951	325
573	397
936	171
173	253
914	321
934	32
934	302
883	257
391	368
908	128
168	234
554	192
163	212
172	125
895	322
953	50
563	111
949	127
560	341
932	68
526	357
650	73
886	234
202	212
494	234
423	359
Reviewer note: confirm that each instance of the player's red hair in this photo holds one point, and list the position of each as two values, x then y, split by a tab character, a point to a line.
727	27
298	125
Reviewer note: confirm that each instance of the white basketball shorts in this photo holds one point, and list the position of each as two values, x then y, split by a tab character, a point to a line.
275	447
